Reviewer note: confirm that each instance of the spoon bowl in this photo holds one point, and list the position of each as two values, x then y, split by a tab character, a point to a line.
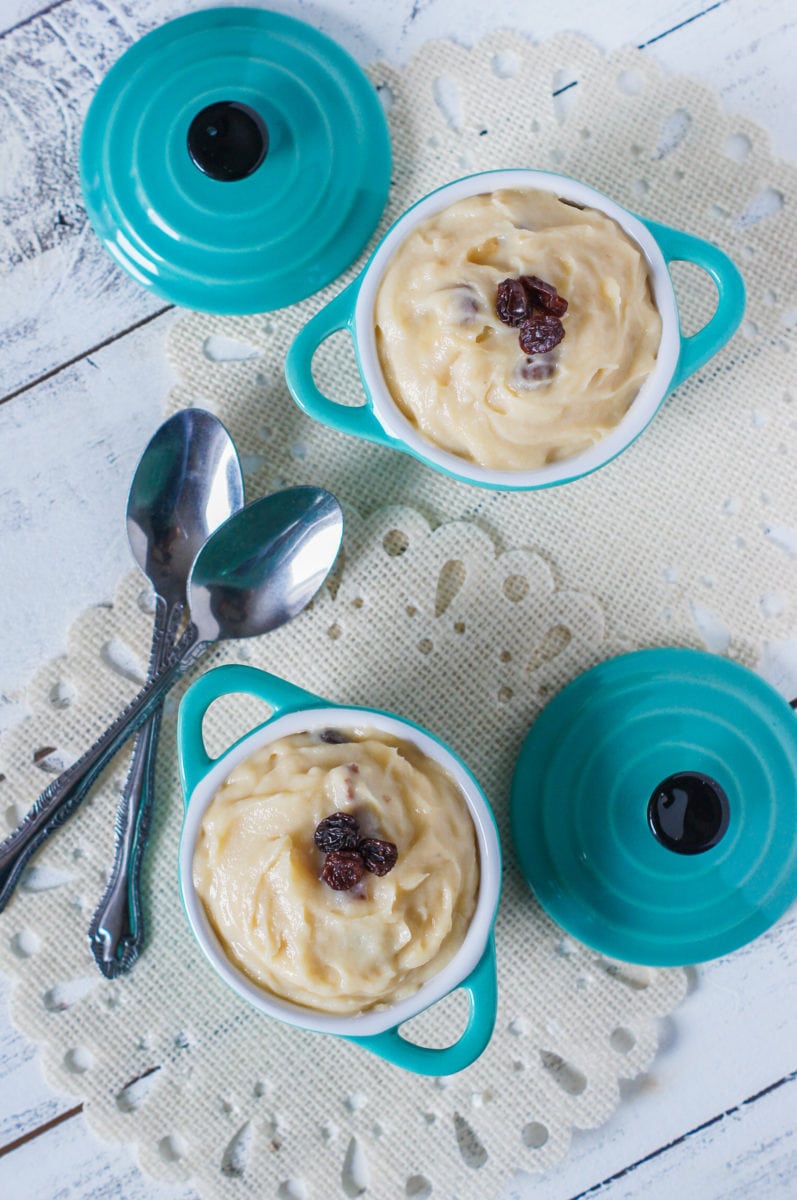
253	574
187	483
265	564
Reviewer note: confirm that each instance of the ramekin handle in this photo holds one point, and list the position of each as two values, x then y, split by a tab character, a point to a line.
281	696
482	990
338	314
698	348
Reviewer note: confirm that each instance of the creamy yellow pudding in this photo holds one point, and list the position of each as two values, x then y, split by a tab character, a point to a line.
457	371
258	871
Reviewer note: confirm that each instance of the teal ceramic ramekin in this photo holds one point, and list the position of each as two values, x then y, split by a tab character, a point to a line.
379	418
473	966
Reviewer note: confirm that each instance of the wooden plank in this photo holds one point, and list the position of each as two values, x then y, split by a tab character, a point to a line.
26	1100
737	1025
69	1161
749	63
747	66
19	12
749	1151
63	293
734	1035
42	1128
88	352
62	516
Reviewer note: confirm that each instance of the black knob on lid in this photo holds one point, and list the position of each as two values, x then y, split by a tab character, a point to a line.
688	812
227	140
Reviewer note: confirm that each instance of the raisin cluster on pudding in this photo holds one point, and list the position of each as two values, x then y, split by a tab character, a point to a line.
339	870
511	394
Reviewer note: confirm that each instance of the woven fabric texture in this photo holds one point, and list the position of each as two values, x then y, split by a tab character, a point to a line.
462	609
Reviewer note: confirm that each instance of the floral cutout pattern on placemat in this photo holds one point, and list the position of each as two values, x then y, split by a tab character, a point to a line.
462	609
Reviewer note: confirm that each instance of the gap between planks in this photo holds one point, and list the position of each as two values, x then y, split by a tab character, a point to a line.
64	1116
42	12
684	1137
681	24
73	1112
70	362
34	1133
590	1191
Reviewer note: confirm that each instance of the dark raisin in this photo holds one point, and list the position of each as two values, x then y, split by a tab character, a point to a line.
379	857
555	305
538	335
512	302
339	831
343	869
465	303
43	752
535	370
537	286
544	295
333	737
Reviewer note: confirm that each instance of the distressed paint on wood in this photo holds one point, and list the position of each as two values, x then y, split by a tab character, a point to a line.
748	43
26	1100
734	1035
68	1161
709	1062
62	519
62	294
19	12
749	1151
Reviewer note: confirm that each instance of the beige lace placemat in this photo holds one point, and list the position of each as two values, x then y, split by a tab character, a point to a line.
459	608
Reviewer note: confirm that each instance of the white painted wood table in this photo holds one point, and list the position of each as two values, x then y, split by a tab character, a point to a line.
82	380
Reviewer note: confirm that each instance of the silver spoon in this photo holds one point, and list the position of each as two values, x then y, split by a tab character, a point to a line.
187	483
257	571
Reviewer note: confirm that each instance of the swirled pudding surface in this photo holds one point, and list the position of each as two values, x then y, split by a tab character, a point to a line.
456	370
258	871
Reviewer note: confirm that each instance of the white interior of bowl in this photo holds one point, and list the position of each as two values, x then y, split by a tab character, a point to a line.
647	399
463	962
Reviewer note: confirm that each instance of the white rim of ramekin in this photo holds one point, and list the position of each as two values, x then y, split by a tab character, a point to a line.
644	405
444	981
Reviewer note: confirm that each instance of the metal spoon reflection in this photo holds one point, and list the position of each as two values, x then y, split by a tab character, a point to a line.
257	571
187	483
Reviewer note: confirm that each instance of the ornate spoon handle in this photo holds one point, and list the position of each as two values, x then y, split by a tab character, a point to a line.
61	798
116	932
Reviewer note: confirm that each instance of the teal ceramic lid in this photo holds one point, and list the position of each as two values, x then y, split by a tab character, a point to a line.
654	807
235	160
